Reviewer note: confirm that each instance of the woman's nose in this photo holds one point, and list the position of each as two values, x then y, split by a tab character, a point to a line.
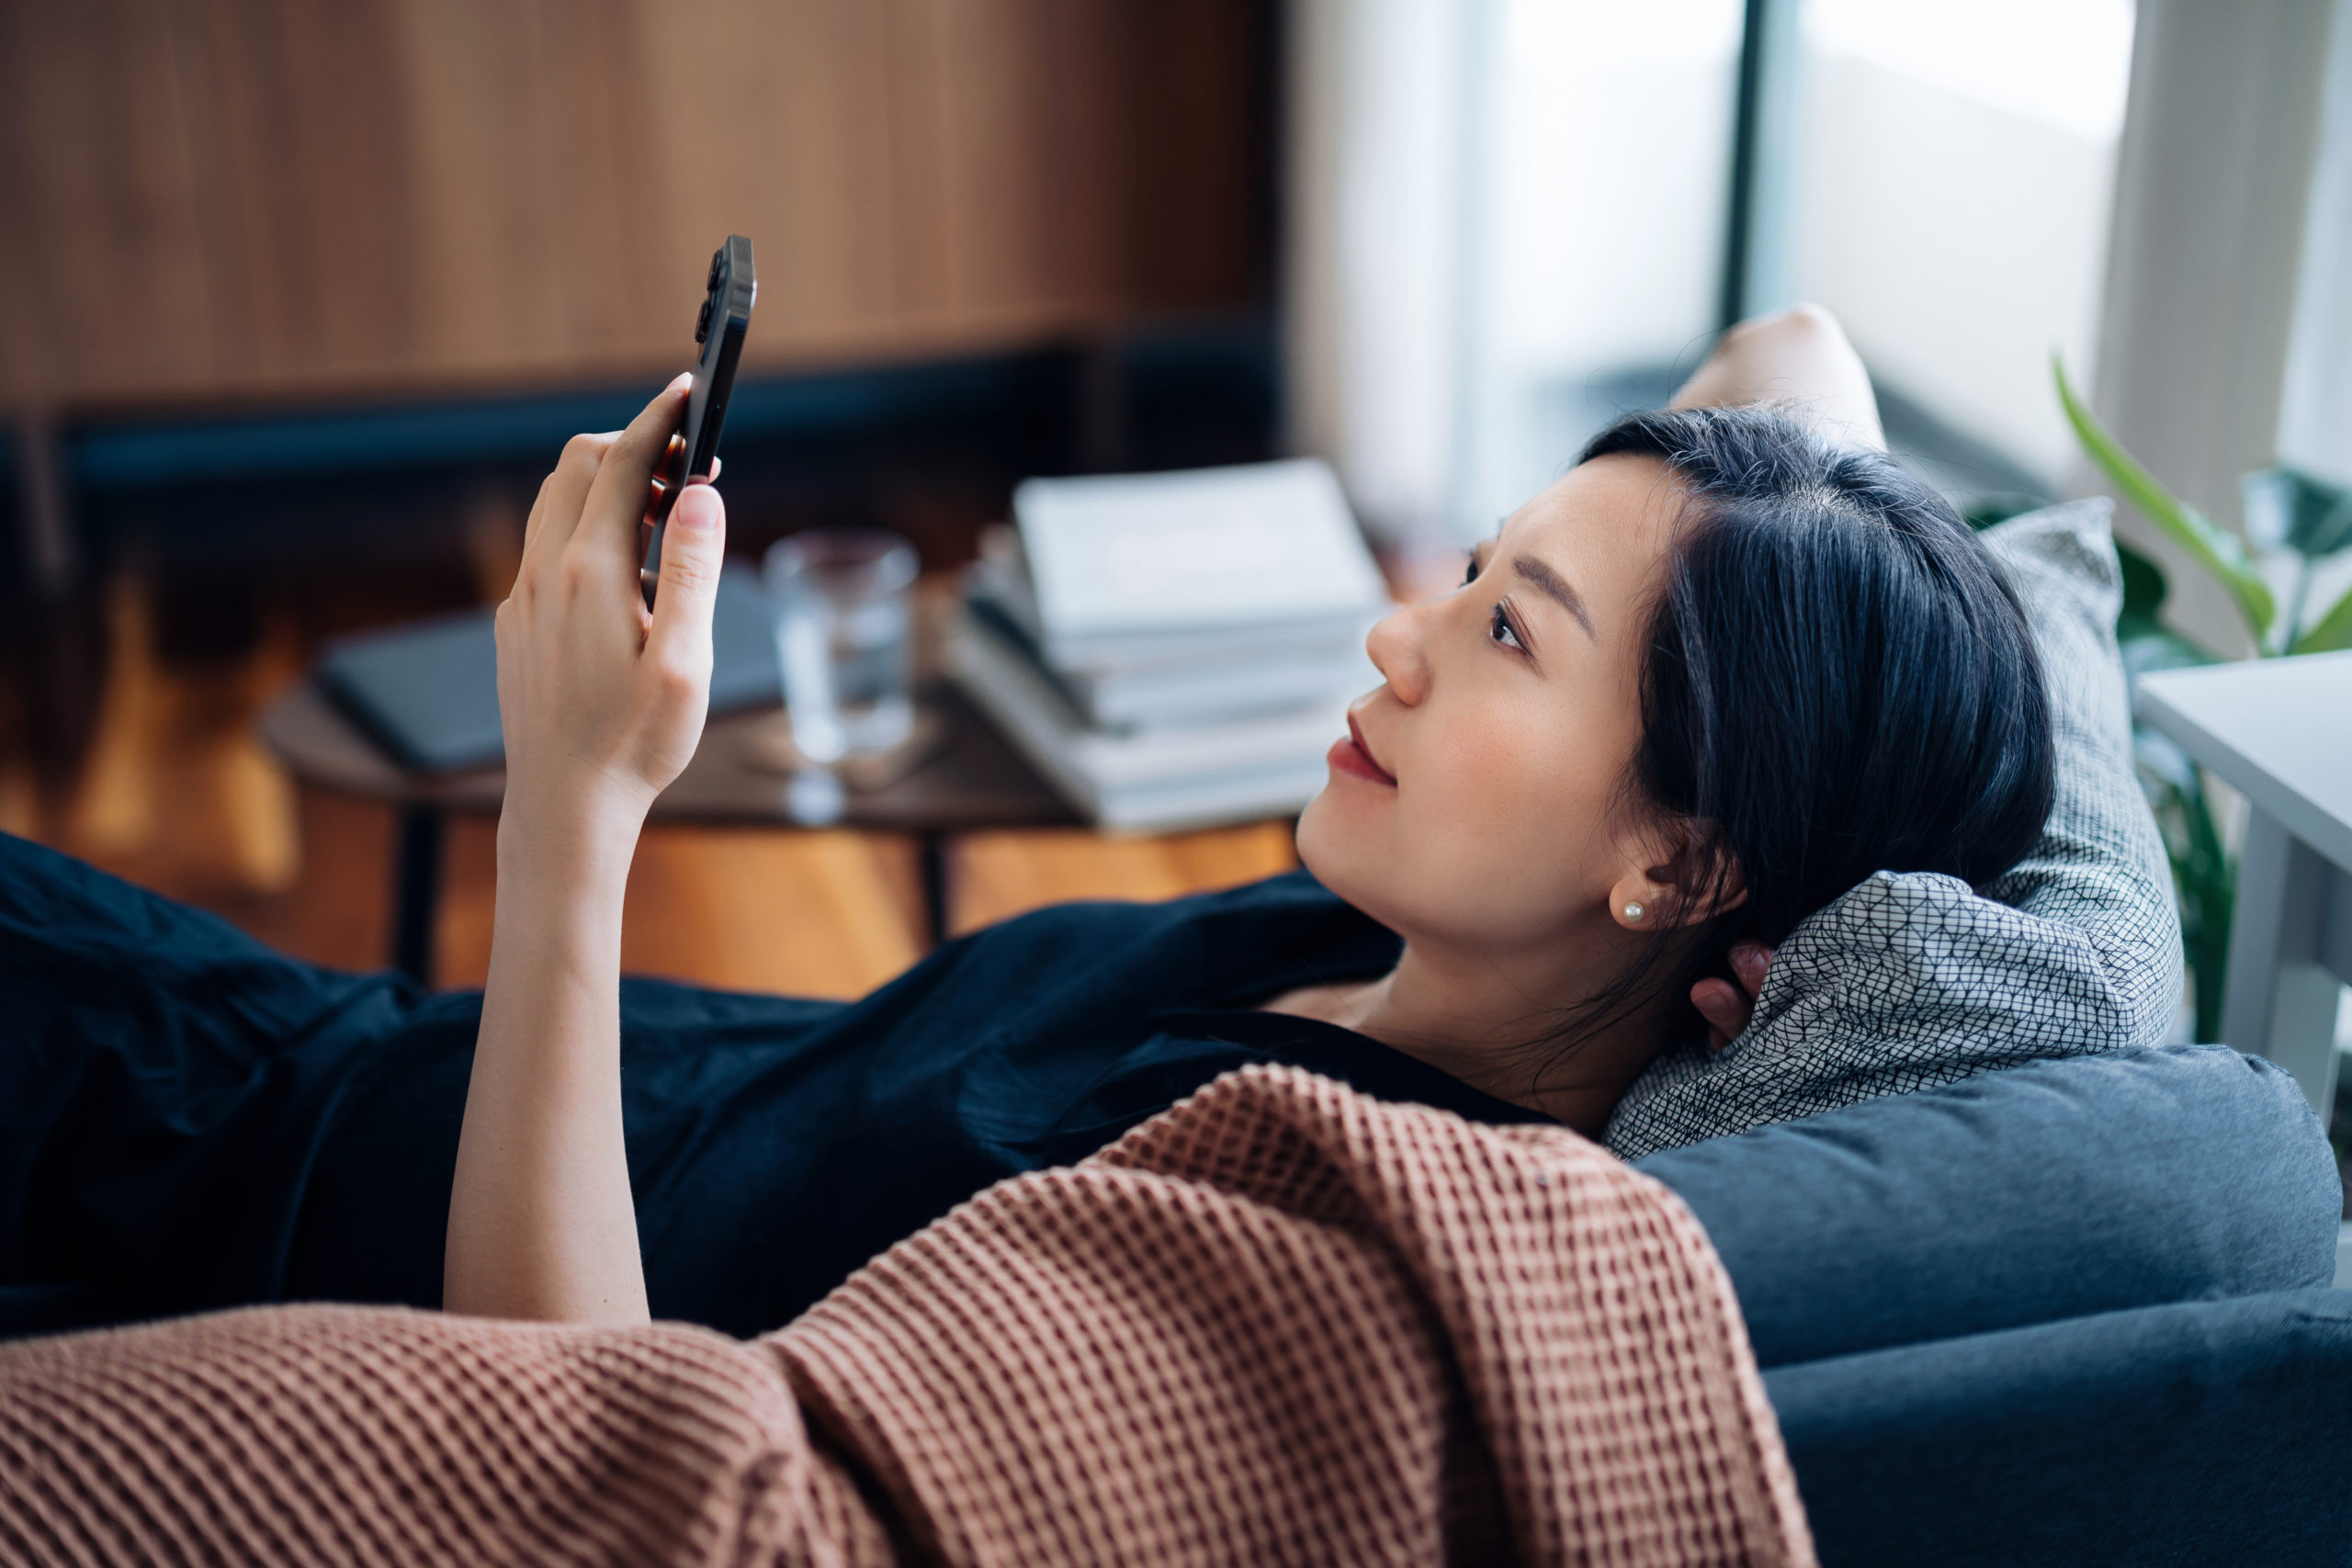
1397	649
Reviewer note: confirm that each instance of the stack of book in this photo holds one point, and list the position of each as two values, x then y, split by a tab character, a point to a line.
1173	649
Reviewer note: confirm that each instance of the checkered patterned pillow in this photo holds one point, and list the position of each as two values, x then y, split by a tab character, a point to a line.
1908	981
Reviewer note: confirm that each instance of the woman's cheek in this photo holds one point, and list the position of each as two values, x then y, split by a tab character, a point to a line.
1508	767
1488	802
1536	792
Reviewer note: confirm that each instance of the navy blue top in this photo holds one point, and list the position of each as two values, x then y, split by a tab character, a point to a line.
192	1120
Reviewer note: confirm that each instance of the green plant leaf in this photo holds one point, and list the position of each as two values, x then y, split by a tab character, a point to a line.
2330	632
2145	642
2215	548
2287	507
2143	585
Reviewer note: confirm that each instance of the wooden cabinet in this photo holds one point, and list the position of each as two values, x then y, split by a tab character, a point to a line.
272	199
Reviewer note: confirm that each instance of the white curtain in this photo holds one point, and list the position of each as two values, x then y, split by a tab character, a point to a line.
2315	410
2213	185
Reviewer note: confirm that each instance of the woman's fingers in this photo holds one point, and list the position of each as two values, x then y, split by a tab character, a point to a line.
616	502
693	546
1724	1009
1728	1008
562	496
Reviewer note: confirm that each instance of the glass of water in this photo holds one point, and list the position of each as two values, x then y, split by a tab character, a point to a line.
844	637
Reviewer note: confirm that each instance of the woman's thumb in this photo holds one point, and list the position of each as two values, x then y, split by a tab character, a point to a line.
692	548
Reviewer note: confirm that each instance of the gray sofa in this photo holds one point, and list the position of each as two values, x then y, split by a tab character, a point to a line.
2075	1312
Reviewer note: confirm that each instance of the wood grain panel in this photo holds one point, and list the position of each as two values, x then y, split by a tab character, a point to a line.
1032	145
295	127
791	143
267	198
101	232
536	231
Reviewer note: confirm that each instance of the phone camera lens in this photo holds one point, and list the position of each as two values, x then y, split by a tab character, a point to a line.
702	322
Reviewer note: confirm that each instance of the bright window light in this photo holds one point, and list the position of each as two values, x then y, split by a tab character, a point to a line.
2065	63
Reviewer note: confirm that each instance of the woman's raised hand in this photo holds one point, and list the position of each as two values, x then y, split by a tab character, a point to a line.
1798	359
1726	1007
602	702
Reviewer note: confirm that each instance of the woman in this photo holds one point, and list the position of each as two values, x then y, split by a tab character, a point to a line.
1724	671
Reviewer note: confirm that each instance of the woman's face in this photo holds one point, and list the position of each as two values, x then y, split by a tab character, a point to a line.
1479	801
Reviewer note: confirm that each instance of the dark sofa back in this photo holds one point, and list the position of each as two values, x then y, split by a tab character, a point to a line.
2058	1189
2203	1432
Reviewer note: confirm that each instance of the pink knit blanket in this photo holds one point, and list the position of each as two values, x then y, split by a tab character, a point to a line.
1282	1323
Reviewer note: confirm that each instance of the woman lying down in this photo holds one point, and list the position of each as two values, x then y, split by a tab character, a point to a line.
1735	698
1736	688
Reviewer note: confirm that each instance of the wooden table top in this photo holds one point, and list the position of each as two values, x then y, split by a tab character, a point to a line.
963	777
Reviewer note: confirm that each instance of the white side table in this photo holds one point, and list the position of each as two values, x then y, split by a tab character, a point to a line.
2279	732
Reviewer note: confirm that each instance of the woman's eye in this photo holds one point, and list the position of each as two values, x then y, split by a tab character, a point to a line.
1499	628
1470	573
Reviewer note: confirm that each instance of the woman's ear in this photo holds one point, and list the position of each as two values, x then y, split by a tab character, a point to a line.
1696	880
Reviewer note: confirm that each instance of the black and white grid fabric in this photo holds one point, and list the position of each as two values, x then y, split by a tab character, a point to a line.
1912	980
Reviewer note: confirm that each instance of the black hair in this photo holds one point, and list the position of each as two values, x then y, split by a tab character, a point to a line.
1838	679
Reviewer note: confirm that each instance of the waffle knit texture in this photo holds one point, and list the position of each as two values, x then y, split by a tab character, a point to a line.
1282	1323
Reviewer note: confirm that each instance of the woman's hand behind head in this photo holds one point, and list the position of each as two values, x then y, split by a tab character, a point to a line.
602	702
1726	1007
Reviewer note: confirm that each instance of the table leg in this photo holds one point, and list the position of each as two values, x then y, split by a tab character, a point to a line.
931	862
417	891
44	516
2281	998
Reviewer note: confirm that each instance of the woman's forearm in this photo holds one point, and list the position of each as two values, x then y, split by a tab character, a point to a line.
541	1223
601	701
1798	359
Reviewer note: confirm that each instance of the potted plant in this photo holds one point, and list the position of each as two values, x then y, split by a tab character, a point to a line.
2296	523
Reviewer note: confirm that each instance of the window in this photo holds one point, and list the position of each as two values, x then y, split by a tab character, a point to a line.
1600	137
1948	197
1510	222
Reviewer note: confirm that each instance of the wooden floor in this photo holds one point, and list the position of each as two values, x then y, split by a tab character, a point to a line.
174	793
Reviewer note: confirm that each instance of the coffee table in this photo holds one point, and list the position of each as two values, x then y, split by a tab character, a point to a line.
967	778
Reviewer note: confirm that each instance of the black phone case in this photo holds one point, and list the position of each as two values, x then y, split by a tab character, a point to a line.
725	318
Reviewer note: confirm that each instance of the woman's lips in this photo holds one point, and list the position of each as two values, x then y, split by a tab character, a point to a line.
1351	755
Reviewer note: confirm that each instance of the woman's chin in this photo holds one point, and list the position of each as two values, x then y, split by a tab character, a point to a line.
1331	841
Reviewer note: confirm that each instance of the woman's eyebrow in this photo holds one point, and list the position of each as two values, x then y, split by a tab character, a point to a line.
1552	586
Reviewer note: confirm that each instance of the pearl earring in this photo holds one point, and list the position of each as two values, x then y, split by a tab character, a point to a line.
1632	911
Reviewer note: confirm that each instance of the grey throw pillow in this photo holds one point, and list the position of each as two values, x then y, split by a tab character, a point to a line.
1913	979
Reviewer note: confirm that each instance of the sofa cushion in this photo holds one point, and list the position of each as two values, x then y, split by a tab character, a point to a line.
2083	1184
2207	1432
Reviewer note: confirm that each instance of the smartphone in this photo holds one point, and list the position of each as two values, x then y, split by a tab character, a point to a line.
726	317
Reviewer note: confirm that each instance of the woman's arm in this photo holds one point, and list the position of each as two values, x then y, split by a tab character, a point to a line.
1799	359
602	704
